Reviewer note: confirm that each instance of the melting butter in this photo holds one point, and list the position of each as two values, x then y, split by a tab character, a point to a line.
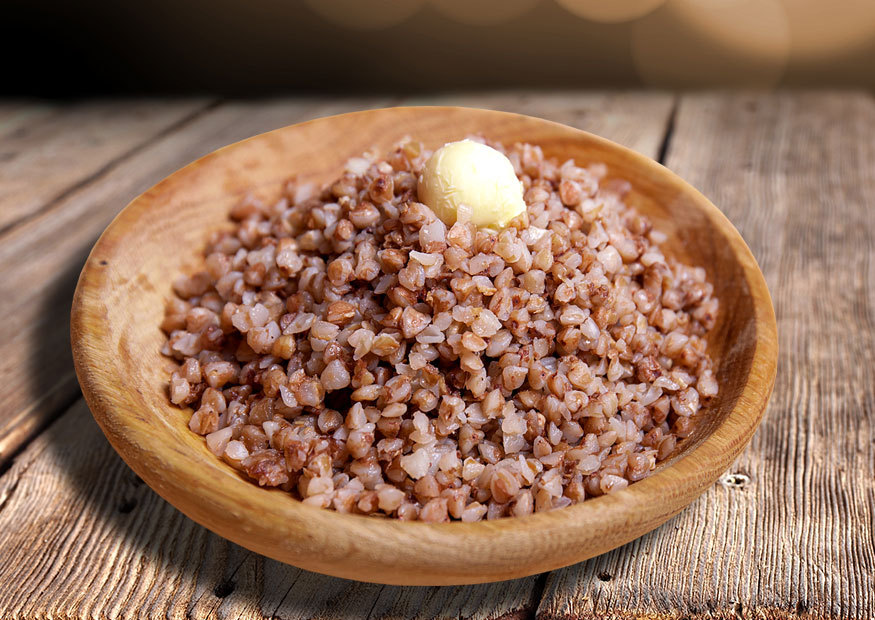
470	181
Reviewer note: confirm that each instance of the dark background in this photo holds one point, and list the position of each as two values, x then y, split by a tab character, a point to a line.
260	47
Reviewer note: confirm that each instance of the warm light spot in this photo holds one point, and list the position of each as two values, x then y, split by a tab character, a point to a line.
610	11
365	14
481	12
690	43
821	29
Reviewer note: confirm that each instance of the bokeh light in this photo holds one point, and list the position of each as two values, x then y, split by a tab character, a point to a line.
691	43
821	29
483	12
366	14
610	11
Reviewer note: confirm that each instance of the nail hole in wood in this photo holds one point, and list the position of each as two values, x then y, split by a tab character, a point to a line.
224	589
605	576
736	480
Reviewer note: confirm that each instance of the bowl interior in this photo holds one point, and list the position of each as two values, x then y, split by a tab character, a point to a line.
127	283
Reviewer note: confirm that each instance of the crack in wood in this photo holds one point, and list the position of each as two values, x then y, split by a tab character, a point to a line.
669	131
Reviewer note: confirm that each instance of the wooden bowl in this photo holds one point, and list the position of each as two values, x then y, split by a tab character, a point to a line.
126	283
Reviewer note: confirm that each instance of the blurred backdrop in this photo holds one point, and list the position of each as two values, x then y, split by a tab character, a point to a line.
258	47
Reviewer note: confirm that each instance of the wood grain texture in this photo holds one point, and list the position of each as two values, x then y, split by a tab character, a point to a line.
788	531
15	114
40	259
47	157
123	291
637	120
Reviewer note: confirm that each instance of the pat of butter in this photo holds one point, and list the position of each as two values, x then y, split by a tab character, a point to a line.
470	181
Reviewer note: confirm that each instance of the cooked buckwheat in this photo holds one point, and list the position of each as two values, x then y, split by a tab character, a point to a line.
347	346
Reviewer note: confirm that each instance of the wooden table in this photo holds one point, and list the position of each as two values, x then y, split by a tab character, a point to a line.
789	531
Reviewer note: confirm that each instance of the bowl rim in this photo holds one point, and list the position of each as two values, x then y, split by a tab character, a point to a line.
731	434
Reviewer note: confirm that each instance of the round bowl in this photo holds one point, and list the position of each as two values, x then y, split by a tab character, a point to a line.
123	289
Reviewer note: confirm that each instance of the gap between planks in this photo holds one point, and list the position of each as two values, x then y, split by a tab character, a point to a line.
789	533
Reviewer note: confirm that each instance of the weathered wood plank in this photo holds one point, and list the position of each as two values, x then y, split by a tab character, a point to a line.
43	160
789	530
618	116
40	259
15	114
89	540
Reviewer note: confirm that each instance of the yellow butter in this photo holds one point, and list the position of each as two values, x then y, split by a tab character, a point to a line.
470	181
